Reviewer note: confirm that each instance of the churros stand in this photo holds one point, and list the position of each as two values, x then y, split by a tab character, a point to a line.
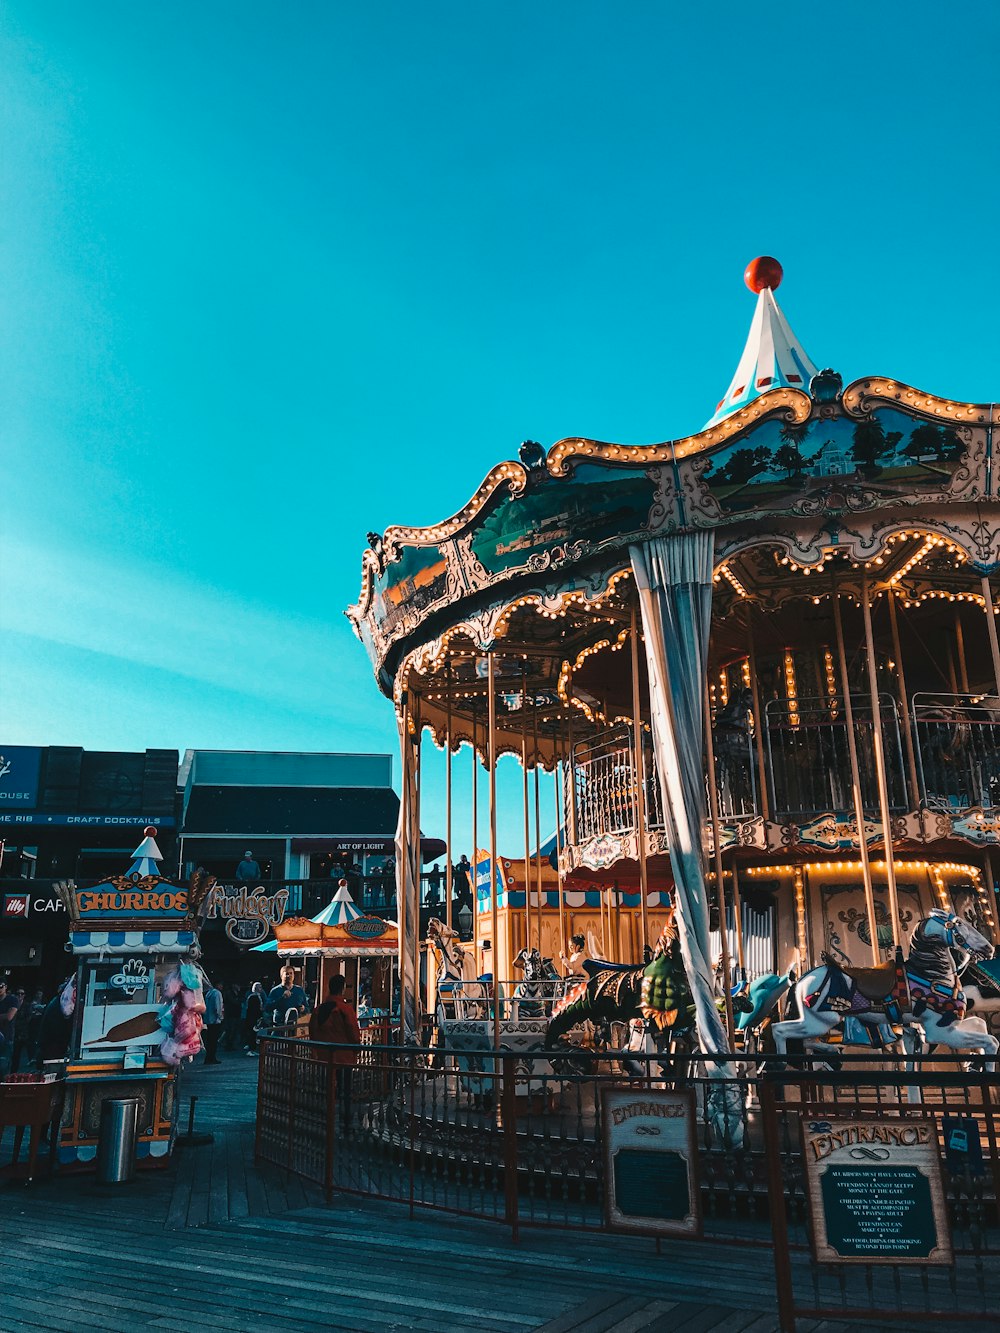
135	943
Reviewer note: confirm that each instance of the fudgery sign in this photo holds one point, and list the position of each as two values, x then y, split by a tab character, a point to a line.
875	1191
249	914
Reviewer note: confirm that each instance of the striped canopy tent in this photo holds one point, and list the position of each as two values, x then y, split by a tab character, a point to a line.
338	910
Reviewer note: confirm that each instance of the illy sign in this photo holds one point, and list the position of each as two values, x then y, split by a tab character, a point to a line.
15	905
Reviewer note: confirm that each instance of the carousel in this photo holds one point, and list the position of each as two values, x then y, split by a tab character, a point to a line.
753	673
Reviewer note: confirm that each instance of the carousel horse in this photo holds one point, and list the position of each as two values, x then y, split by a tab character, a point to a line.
531	994
764	994
456	966
981	983
619	992
874	1006
731	742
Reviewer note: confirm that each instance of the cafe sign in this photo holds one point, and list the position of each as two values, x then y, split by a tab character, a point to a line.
248	913
875	1191
651	1162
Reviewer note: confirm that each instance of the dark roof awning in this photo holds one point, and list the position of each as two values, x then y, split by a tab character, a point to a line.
351	813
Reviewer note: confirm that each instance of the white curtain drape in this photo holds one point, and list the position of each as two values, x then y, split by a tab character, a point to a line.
674	579
407	881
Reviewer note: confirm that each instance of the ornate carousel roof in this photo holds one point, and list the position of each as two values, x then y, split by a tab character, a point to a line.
874	488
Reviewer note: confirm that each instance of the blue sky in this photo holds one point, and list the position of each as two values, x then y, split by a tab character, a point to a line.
273	276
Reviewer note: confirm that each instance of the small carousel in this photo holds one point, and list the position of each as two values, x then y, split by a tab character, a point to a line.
753	671
341	939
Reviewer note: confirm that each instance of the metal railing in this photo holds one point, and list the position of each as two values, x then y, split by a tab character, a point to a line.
808	756
957	741
520	1139
601	784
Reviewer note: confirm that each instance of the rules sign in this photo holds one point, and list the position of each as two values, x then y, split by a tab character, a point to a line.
650	1162
875	1191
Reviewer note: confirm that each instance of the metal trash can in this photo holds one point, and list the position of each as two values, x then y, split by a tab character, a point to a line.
116	1140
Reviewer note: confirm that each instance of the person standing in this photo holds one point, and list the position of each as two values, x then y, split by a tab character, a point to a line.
214	1014
461	882
286	1002
9	1006
232	1021
335	1021
253	1009
35	1025
248	870
21	1020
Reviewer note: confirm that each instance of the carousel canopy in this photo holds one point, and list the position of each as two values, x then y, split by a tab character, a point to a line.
340	909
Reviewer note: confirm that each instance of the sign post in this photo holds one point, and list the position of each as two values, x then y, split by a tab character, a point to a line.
650	1162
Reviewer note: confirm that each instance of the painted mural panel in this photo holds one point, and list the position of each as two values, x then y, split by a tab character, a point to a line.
409	586
761	468
595	504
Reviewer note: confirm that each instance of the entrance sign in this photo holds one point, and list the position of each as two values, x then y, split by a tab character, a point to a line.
651	1162
875	1191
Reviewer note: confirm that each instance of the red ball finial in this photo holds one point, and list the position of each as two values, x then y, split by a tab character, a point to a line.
762	272
149	831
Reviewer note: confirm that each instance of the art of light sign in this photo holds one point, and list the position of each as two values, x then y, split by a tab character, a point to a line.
248	914
875	1191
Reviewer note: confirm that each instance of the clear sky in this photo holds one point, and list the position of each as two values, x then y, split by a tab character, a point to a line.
274	275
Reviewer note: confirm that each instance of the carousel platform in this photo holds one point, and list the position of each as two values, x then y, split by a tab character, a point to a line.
214	1243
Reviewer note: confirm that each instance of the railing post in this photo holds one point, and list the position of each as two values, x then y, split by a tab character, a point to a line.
508	1106
292	1080
331	1125
262	1044
776	1206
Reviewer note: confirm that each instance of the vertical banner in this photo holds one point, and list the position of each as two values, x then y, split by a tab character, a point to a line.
407	882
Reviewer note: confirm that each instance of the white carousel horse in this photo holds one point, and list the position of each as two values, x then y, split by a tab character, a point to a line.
869	1003
456	976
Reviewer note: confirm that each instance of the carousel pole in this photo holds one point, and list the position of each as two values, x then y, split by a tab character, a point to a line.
741	961
538	821
403	865
527	820
447	827
475	838
416	851
495	943
559	871
639	760
963	668
713	806
852	751
880	769
758	721
911	754
991	630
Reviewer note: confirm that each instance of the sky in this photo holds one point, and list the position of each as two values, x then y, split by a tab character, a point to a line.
273	276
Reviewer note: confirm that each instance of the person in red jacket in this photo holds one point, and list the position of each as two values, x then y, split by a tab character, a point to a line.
336	1021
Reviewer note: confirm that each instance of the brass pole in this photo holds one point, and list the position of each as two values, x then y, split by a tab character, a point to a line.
475	839
991	630
880	769
418	862
447	831
963	668
911	754
559	873
758	721
403	863
859	810
713	806
495	944
618	922
538	819
527	821
639	761
738	924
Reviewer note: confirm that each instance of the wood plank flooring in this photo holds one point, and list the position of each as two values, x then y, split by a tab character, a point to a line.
212	1243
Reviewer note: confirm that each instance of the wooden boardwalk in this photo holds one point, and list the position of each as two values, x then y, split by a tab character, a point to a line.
212	1243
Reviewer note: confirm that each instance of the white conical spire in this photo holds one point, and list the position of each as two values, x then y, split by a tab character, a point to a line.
146	855
339	910
773	357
